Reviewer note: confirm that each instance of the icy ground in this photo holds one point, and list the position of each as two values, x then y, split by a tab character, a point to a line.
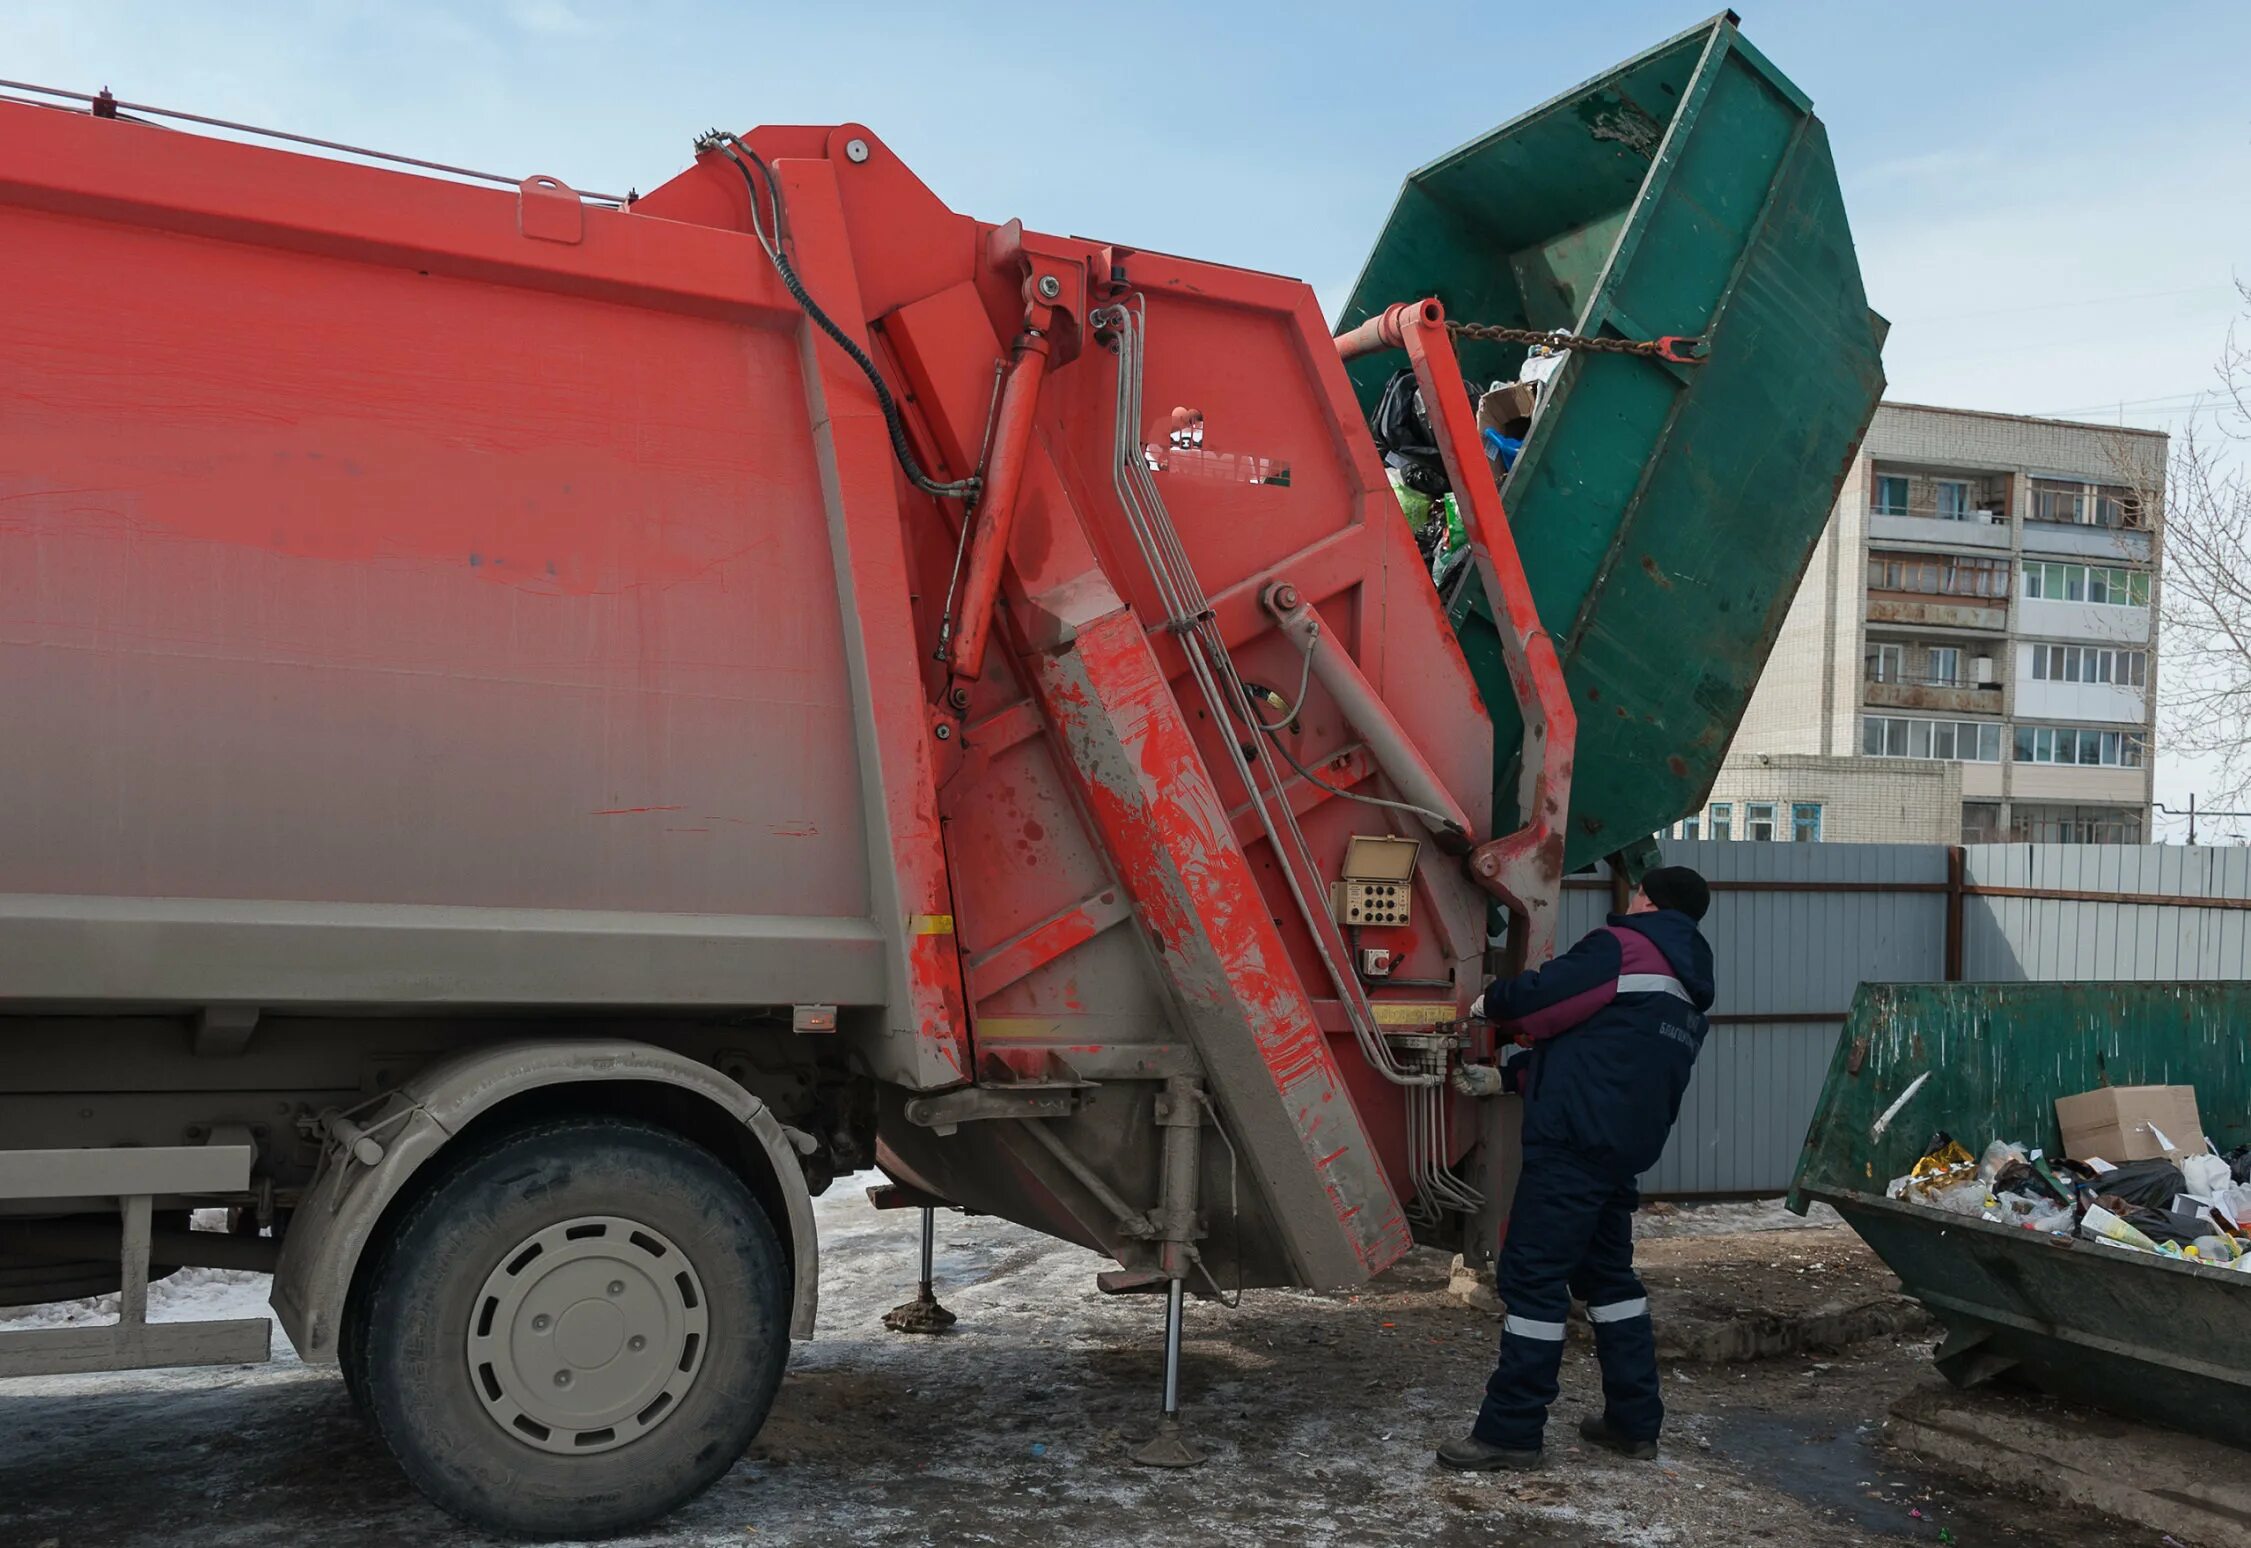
1318	1411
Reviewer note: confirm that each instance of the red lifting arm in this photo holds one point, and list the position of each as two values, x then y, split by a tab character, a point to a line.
1524	869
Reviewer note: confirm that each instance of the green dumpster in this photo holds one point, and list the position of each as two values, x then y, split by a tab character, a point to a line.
2147	1336
1665	512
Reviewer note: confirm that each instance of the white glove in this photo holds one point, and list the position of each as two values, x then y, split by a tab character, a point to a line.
1477	1007
1477	1080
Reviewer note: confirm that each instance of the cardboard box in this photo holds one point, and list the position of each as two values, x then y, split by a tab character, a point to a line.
1506	406
2121	1123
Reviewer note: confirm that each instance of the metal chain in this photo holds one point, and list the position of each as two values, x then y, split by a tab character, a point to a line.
1676	349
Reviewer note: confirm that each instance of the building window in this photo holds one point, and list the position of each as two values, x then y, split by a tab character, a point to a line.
1939	575
1691	828
2105	584
1758	821
2086	746
1888	664
1723	820
1805	822
1981	822
1946	666
2116	507
1891	495
2055	500
2030	823
1953	500
2090	664
1947	741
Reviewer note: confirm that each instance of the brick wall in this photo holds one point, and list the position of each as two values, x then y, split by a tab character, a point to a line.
1863	800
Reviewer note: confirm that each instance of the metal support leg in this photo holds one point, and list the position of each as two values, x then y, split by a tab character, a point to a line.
923	1314
1181	1110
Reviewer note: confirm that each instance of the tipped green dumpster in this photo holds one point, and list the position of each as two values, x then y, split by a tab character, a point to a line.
1665	512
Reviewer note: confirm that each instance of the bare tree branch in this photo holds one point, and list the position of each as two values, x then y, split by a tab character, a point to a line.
2205	590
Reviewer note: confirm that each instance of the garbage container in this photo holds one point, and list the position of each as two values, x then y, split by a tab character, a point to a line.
1664	512
2142	1335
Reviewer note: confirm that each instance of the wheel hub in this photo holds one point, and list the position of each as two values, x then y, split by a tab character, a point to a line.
587	1334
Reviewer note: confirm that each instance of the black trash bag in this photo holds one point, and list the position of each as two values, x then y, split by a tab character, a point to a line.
1402	433
2239	1163
2151	1184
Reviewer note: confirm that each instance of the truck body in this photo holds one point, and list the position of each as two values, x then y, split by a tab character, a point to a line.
544	731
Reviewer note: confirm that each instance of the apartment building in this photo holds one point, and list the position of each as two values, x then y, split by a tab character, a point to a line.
1982	602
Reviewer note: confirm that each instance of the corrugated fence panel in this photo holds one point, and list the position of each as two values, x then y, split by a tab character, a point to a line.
2111	937
1816	920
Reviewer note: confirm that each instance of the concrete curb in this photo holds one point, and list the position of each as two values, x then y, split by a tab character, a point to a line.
2168	1482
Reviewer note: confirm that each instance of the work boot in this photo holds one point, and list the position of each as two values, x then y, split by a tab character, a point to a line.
1471	1455
1597	1429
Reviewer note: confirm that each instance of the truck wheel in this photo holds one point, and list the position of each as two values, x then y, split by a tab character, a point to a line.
351	1356
578	1329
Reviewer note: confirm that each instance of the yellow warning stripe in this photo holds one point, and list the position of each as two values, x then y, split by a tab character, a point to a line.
930	924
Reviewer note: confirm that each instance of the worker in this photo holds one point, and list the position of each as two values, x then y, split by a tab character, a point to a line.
1609	1032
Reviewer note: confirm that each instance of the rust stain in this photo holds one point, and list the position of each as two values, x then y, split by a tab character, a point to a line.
1649	565
1678	765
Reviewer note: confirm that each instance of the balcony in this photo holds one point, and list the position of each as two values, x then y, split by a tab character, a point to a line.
2105	544
1972	531
1914	691
1889	687
1938	612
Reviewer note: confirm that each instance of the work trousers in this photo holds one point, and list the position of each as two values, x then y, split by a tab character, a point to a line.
1570	1235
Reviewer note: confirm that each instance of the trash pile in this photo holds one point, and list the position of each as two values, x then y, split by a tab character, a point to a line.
2147	1194
1402	432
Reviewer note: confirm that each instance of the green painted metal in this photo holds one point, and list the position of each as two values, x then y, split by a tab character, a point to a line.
2157	1339
1665	513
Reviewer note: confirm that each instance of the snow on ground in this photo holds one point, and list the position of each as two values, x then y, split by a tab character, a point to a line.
1318	1411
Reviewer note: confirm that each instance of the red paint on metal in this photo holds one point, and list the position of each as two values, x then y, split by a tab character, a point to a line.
995	510
669	521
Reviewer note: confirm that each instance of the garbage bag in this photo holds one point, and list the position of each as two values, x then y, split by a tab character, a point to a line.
2205	1175
1998	1155
2159	1225
2150	1183
1401	427
2026	1178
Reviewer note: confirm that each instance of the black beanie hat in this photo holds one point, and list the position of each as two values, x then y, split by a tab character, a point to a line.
1678	887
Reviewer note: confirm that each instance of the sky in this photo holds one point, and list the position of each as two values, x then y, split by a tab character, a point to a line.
2051	201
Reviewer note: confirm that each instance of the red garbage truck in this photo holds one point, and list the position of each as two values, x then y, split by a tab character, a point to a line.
543	730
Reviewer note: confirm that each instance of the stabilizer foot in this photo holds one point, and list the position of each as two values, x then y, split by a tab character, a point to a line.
923	1314
1168	1447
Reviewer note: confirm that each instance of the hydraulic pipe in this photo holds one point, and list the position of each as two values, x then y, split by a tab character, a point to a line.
995	514
1386	330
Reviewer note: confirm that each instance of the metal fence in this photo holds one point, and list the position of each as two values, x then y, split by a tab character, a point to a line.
1796	927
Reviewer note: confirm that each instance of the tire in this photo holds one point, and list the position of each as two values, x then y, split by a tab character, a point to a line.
351	1356
580	1328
